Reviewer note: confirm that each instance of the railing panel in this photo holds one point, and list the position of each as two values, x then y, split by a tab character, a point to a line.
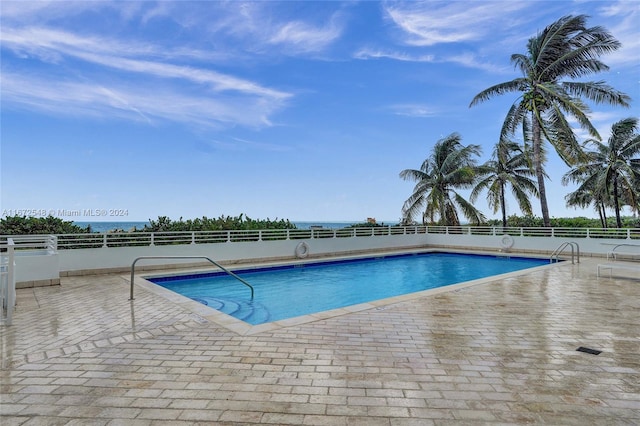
122	239
244	236
134	239
32	242
571	232
481	230
80	241
274	234
436	229
345	232
299	234
323	233
363	232
610	233
209	237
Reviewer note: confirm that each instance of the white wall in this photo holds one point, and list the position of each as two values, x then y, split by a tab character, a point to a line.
37	265
111	259
543	245
119	259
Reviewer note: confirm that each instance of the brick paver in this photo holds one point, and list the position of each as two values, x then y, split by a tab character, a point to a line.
502	352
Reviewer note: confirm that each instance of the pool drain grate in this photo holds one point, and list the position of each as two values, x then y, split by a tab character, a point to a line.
589	350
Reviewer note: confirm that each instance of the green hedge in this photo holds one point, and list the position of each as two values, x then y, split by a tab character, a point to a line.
564	222
24	225
222	223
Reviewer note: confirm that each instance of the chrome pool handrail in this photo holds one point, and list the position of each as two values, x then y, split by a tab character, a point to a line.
561	248
133	267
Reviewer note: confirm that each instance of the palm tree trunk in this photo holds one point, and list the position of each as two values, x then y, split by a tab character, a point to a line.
616	202
503	206
603	217
537	163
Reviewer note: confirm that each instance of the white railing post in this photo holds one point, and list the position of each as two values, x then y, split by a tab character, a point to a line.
193	237
7	284
152	241
104	239
11	281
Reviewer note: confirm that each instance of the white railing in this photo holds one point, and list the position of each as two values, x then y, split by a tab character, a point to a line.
611	233
133	239
7	281
32	242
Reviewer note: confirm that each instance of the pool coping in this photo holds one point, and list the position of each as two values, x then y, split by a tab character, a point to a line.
245	329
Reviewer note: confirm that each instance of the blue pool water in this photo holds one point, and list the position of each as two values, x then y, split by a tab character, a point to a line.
292	290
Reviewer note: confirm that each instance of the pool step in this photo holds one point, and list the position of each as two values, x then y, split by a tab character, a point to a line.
248	311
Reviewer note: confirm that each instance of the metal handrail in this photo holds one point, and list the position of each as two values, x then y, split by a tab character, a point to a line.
613	250
133	267
563	246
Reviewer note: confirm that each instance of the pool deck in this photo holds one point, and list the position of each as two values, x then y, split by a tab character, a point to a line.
492	352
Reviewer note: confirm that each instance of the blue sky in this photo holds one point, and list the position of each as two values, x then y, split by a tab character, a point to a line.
298	110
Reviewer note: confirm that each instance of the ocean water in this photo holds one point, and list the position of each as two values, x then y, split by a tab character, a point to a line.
127	226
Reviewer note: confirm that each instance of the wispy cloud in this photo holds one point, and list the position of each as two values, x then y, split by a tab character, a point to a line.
299	36
472	60
367	53
66	92
601	120
92	72
52	46
432	23
135	102
624	26
238	144
467	60
414	110
259	27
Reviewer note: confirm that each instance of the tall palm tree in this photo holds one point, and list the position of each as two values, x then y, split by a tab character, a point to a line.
509	166
612	170
450	166
564	49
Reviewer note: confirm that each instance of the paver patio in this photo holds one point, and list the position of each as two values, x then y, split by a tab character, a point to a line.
503	352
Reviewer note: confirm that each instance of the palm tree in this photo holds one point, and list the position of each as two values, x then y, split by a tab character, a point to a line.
564	49
449	167
509	166
586	196
612	170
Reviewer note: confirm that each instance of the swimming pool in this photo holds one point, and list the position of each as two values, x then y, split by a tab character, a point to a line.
288	291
